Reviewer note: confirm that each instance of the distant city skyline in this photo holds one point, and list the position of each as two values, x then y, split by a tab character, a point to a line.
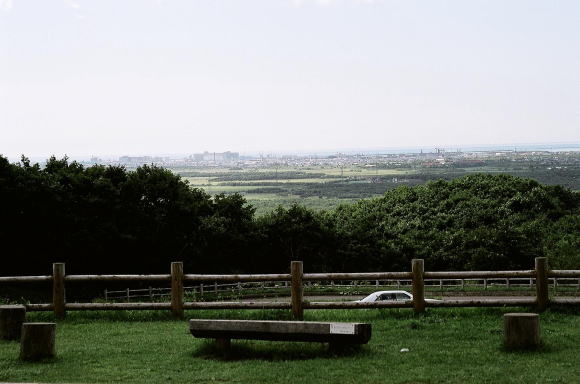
151	77
523	147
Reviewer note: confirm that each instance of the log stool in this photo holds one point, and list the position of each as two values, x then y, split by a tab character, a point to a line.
521	330
37	340
11	319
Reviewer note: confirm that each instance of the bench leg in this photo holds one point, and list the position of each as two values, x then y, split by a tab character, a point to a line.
335	347
342	347
223	344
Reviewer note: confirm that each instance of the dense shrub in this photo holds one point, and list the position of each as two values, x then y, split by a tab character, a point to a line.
473	222
106	219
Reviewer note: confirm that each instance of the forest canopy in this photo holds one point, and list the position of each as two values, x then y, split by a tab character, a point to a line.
107	219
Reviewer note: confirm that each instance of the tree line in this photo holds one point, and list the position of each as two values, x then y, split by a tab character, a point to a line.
107	219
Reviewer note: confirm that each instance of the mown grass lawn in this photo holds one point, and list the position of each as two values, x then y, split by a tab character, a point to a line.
445	346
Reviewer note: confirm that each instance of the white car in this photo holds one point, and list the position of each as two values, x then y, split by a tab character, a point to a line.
392	296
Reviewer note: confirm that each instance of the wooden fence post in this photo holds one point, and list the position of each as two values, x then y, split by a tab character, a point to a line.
296	271
177	289
417	269
58	292
542	299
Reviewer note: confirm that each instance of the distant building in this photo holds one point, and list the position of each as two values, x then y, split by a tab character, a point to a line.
217	157
140	159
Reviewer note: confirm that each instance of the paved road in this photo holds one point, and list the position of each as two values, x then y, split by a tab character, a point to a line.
353	298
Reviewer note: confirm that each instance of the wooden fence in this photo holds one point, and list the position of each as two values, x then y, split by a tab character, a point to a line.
346	287
177	278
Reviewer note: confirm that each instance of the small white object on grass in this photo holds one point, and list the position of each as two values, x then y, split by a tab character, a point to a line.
404	350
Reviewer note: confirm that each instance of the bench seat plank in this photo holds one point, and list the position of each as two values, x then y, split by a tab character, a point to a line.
343	333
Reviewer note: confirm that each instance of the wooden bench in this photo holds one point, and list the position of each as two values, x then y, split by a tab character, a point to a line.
338	335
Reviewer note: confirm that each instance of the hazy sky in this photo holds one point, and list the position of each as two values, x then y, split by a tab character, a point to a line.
113	77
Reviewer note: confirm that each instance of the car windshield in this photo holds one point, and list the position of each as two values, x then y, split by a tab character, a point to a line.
387	296
403	297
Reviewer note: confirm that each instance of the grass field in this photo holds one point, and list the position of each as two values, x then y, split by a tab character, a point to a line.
445	346
283	191
265	203
326	187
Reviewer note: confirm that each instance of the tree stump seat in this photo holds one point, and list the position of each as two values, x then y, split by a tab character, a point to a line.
37	341
521	330
11	319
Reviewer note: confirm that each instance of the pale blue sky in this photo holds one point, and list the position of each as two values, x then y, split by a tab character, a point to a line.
113	77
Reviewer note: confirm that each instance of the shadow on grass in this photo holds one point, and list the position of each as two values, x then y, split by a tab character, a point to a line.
563	310
36	362
275	351
543	348
126	316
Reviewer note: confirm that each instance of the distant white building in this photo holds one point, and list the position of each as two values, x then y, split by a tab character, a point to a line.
217	157
140	159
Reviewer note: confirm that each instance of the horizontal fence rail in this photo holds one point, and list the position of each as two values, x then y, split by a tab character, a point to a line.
89	278
24	279
478	274
564	273
244	278
296	281
356	276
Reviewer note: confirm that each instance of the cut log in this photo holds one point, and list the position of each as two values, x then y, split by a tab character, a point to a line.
521	330
11	319
37	341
